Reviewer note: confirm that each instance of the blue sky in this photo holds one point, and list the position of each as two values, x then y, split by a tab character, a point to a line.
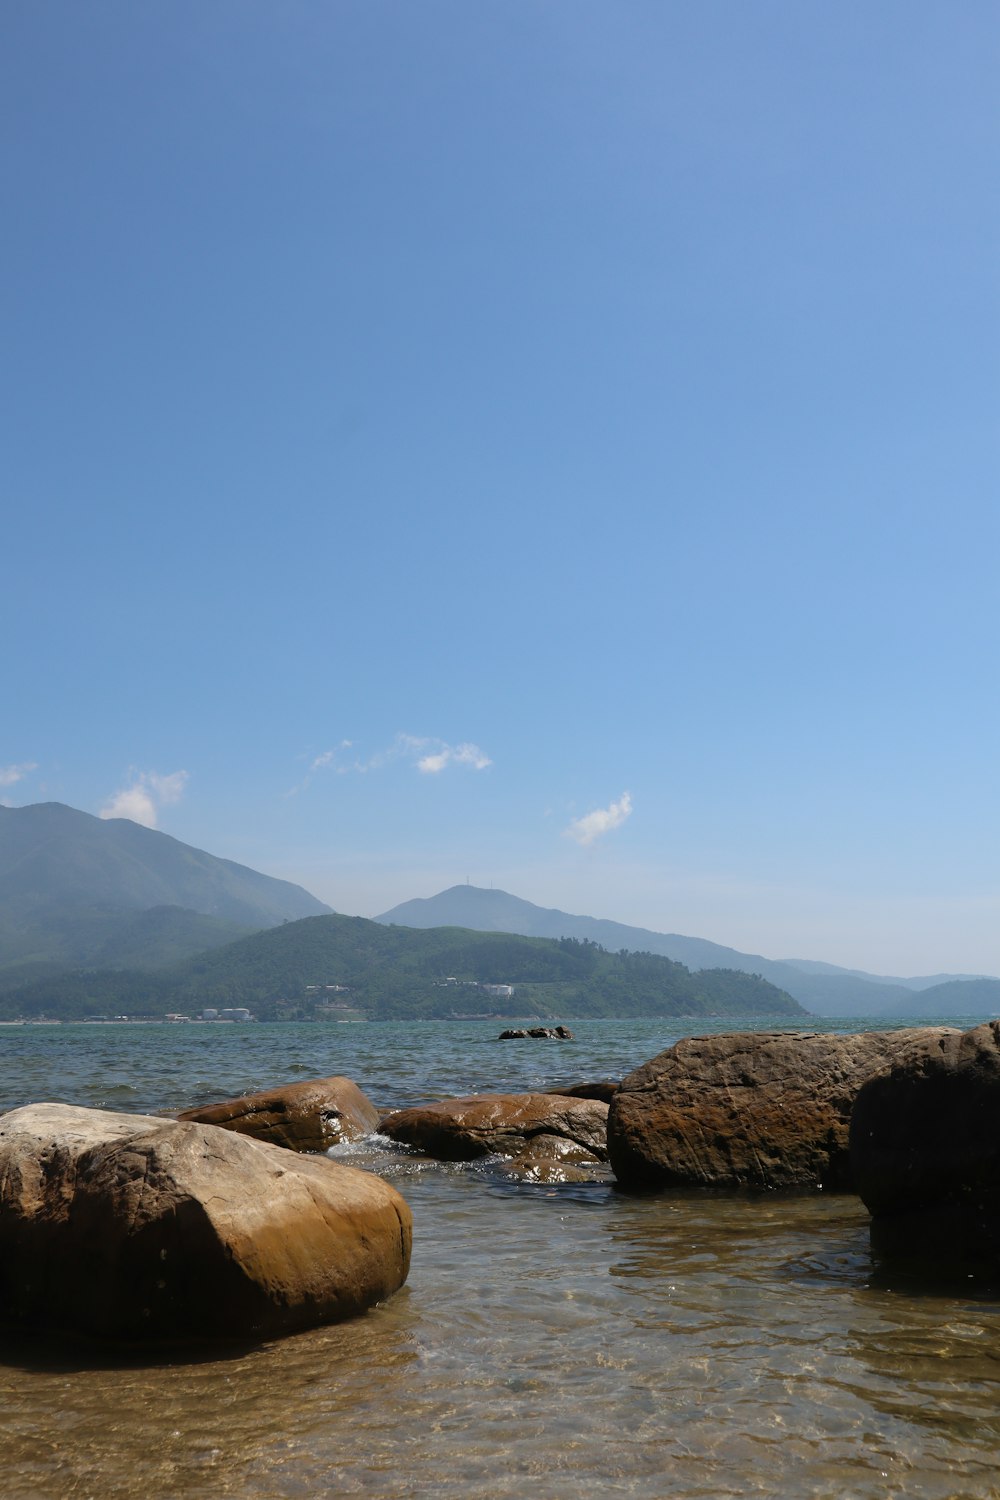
551	444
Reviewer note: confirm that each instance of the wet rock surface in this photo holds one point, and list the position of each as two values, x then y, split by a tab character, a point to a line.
310	1116
547	1033
751	1109
463	1129
554	1159
136	1228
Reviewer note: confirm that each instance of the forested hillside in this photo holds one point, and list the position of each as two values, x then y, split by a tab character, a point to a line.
302	969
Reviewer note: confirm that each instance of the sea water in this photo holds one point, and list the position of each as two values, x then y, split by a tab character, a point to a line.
551	1342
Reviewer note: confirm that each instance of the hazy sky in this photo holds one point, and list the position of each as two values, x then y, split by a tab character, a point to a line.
541	441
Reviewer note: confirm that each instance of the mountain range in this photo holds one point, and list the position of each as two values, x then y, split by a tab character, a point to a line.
824	989
80	893
79	890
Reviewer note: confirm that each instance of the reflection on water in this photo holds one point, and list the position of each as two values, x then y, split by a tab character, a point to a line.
555	1344
551	1342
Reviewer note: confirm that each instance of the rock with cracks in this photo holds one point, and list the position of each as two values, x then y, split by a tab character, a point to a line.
309	1116
463	1129
129	1227
750	1109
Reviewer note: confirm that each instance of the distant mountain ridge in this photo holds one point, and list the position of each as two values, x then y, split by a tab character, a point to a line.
80	892
74	888
824	989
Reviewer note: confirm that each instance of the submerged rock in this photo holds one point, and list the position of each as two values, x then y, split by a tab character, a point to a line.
925	1153
751	1109
463	1129
554	1159
130	1227
310	1116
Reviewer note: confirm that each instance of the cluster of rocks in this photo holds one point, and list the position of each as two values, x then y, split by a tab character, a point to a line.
135	1227
547	1033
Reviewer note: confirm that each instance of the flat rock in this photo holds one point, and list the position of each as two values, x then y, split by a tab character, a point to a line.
130	1227
463	1129
751	1109
925	1153
310	1116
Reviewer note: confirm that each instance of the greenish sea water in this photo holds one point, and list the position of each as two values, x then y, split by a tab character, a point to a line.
552	1341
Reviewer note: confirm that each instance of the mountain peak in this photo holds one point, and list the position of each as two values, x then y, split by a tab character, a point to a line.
67	878
822	988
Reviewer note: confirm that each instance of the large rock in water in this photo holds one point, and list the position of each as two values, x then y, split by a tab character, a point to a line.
750	1109
309	1116
925	1153
462	1129
129	1227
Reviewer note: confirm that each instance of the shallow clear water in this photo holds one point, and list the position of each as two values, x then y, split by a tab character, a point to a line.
551	1341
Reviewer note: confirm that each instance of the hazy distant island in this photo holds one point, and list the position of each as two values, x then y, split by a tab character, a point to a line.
105	917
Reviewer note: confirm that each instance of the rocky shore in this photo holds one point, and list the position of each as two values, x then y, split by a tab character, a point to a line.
233	1222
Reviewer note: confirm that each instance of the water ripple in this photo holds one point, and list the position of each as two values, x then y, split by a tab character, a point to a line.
554	1340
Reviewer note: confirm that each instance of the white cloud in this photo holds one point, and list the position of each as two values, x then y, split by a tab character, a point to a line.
133	802
431	764
10	775
328	757
168	788
429	754
594	825
454	755
142	798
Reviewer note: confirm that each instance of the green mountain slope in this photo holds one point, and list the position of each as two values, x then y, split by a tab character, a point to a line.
299	968
147	940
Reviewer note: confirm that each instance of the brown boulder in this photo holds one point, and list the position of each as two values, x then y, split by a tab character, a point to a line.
462	1129
309	1116
750	1109
925	1152
129	1227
